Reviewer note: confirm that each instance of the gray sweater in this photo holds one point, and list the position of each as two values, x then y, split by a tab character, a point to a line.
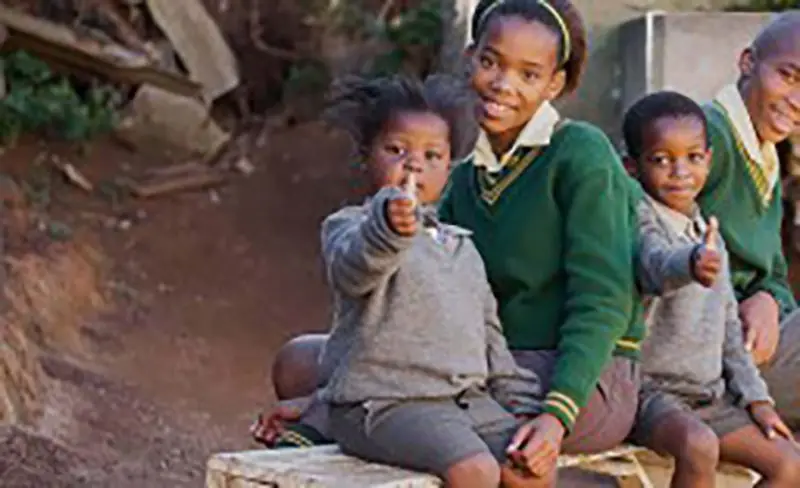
694	346
413	317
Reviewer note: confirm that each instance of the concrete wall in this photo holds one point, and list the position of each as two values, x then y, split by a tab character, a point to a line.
694	53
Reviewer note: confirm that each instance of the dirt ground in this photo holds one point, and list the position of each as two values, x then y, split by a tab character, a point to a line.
206	286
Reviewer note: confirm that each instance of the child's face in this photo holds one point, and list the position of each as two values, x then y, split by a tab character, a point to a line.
514	70
412	141
772	91
675	160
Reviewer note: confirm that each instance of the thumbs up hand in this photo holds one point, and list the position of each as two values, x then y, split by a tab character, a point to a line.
707	259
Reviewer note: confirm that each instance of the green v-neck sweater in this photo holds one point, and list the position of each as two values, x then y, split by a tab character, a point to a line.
752	230
557	234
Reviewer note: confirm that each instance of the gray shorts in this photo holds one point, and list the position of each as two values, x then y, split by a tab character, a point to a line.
424	435
782	374
608	417
721	416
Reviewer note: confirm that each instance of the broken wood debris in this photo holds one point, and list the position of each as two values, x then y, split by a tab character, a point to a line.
198	41
63	49
175	179
72	174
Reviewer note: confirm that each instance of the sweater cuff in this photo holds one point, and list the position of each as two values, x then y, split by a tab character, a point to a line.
563	408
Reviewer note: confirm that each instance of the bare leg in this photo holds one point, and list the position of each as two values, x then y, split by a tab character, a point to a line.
514	479
776	460
480	471
692	444
295	370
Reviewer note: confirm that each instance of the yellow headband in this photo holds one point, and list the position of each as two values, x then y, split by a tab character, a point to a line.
562	25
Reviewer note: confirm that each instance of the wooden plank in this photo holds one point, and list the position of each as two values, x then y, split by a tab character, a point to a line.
199	43
315	467
63	50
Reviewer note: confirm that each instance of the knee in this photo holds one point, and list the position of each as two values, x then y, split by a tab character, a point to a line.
295	367
787	470
699	449
475	472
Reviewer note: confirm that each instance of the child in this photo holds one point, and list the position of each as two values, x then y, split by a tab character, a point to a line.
702	397
551	210
746	121
417	371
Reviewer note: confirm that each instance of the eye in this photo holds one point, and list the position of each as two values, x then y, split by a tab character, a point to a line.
660	160
432	155
697	158
530	75
394	149
486	62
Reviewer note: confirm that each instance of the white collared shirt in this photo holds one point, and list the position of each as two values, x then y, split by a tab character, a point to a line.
537	132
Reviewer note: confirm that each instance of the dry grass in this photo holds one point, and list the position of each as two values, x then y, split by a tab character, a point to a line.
47	296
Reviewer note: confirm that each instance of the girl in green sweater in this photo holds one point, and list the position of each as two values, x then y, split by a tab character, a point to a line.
746	120
549	204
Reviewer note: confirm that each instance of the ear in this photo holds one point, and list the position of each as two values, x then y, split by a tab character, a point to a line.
556	85
630	166
747	63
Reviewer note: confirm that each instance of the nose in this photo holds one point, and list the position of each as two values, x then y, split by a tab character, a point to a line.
680	169
501	82
413	163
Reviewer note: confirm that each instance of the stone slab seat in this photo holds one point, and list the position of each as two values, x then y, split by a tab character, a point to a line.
327	467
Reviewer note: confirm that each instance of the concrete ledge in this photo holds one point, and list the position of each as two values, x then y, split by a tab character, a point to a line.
327	467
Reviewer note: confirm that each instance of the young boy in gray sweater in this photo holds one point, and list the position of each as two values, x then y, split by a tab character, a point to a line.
416	371
702	397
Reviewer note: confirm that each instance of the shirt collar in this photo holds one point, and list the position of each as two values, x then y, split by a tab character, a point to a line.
537	132
765	155
694	226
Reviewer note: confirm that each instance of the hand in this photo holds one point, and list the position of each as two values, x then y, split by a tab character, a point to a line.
768	420
708	261
269	425
761	323
536	445
402	216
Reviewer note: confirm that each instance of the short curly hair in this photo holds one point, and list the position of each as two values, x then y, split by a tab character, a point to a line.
574	61
362	108
653	107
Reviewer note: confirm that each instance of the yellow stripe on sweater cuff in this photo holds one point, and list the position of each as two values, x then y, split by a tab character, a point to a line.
563	407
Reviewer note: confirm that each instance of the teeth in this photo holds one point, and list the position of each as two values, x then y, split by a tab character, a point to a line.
496	109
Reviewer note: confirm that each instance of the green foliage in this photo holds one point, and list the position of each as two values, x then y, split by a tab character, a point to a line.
413	38
40	101
418	31
764	5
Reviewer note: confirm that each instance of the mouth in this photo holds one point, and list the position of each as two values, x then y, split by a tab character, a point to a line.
782	122
679	191
493	109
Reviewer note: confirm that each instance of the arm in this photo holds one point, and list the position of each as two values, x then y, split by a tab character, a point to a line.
596	201
662	266
777	284
516	388
741	373
360	249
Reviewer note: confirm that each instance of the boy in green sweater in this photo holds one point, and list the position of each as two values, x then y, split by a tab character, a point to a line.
746	121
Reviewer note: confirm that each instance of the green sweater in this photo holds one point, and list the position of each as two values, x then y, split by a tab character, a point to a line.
558	242
751	230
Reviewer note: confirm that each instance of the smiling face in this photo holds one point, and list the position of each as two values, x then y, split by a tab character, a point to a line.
412	141
771	89
675	161
514	70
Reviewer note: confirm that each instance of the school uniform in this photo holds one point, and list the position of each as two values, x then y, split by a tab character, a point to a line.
694	358
553	219
743	191
416	370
